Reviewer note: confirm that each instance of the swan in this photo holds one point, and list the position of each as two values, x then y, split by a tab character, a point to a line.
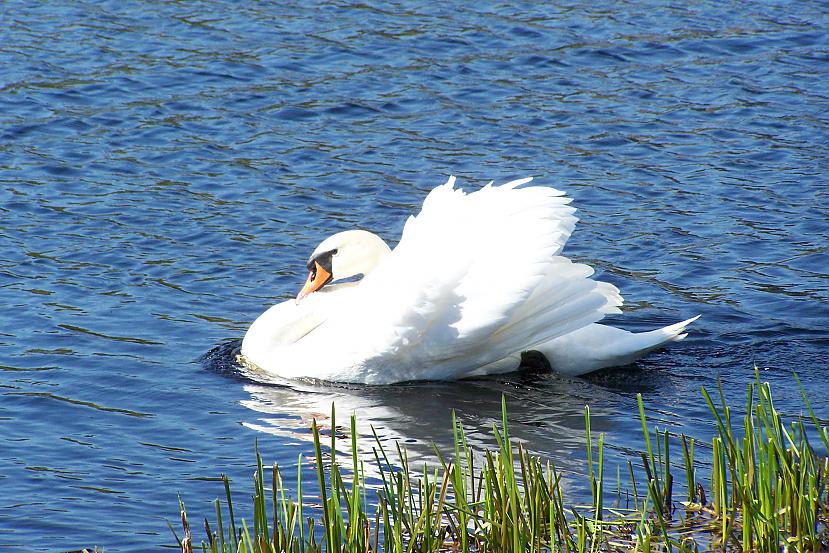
476	279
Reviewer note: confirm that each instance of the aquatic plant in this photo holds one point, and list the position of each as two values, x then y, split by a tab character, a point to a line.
767	491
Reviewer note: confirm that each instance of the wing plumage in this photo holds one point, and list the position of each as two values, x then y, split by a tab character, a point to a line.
475	279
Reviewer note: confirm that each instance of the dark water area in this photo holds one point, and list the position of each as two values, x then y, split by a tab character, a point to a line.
167	167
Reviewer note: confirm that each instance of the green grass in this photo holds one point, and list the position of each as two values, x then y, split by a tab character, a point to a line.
766	491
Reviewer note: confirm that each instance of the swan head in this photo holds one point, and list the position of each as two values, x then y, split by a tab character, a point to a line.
343	255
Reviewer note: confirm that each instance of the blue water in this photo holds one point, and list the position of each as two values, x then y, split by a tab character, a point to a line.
167	167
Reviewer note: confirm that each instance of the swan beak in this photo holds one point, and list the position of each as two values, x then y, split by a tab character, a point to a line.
317	278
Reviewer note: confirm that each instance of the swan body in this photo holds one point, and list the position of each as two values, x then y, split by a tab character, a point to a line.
475	280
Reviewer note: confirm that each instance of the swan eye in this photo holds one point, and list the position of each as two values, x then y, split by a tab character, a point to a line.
335	251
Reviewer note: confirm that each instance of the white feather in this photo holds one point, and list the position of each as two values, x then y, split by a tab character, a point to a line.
475	280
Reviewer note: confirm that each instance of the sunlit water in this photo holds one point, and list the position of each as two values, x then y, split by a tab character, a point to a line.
166	168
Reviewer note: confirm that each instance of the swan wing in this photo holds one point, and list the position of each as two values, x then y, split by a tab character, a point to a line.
475	278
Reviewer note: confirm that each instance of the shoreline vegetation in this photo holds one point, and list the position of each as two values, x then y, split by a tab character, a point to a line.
767	490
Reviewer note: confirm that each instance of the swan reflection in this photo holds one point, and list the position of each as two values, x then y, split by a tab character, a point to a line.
545	414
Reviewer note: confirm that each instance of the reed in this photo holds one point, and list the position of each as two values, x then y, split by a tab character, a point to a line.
766	484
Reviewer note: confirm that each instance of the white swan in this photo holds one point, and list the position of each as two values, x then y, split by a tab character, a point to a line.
476	279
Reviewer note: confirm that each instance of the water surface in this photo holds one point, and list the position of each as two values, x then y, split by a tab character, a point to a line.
166	168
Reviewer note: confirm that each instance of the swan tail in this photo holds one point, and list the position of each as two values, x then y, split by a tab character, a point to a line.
597	346
672	333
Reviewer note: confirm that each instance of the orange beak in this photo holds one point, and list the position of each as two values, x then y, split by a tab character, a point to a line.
316	280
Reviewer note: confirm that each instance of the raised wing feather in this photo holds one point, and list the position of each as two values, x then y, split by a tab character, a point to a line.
476	277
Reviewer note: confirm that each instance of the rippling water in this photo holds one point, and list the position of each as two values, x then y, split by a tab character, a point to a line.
166	167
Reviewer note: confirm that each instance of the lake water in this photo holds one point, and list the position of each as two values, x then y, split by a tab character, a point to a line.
167	167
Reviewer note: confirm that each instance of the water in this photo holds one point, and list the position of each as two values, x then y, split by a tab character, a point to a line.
166	168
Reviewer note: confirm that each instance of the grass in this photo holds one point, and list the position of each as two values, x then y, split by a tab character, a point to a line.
766	491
